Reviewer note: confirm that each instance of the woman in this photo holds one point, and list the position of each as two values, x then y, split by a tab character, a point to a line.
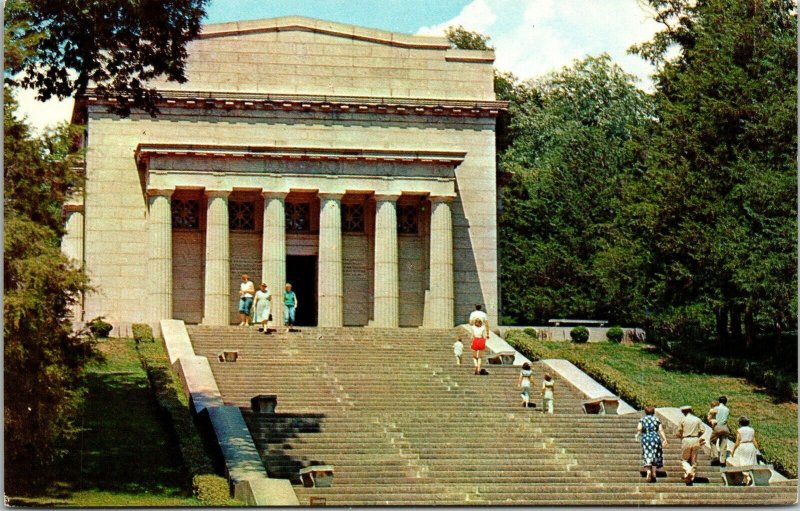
480	332
651	434
525	382
745	450
547	394
262	307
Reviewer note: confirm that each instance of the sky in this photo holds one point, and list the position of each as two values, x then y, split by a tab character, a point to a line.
531	37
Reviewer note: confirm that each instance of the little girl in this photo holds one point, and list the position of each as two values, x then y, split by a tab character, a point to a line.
547	394
458	350
525	382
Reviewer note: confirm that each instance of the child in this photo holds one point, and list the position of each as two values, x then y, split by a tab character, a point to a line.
547	394
525	382
458	350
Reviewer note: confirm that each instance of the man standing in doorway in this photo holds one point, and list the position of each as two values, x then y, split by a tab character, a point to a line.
289	305
246	292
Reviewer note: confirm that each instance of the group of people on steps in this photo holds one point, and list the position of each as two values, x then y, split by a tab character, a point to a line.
258	304
690	431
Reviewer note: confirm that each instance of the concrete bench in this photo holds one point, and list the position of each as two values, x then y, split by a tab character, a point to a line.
264	403
577	322
759	474
601	406
228	356
320	476
505	358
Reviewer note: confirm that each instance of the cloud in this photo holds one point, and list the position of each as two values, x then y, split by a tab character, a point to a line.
534	37
42	115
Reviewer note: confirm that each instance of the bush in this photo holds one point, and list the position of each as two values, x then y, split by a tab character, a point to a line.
527	346
211	490
579	334
100	328
615	334
142	333
531	332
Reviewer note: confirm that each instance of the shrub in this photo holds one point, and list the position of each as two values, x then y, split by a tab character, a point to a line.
100	328
615	334
142	333
211	490
527	346
531	332
579	334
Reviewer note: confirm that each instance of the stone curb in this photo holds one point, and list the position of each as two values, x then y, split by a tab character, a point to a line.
585	383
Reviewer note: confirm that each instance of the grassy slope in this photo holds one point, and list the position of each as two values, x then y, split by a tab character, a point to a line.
642	376
125	455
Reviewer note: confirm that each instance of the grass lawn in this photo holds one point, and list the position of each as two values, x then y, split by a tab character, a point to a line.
642	375
126	454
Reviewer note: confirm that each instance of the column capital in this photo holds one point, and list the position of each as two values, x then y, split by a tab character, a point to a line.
442	198
217	193
163	192
270	194
330	195
389	197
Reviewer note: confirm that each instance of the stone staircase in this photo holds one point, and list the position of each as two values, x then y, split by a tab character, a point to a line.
403	425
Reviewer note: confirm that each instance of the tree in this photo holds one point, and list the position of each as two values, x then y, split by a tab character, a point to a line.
571	154
43	357
464	39
717	205
62	47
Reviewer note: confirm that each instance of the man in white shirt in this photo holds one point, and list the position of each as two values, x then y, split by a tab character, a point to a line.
246	292
479	324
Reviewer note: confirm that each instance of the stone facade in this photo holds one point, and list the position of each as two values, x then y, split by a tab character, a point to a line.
359	160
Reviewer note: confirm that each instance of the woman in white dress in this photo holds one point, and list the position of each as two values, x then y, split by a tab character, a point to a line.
262	307
745	450
547	394
525	383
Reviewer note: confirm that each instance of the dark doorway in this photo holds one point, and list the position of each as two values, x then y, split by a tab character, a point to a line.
301	273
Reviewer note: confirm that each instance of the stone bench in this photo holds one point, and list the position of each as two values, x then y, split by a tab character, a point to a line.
759	474
505	358
228	356
606	405
264	403
320	476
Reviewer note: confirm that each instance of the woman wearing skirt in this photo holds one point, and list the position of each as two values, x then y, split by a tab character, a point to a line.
651	434
745	450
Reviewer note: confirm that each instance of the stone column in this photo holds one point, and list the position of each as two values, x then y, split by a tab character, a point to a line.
72	246
440	292
218	265
273	251
331	312
159	266
387	293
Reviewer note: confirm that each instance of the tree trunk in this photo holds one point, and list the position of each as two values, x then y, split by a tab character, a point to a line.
722	325
736	324
749	327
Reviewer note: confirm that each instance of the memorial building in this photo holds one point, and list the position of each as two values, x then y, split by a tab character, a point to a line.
357	164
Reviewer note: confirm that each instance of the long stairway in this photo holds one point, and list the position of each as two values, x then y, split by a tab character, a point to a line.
404	425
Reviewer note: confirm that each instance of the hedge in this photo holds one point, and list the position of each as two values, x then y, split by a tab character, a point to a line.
142	333
206	484
100	328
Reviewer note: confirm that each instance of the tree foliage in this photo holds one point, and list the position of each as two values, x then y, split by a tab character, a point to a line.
464	39
571	153
43	357
61	47
717	206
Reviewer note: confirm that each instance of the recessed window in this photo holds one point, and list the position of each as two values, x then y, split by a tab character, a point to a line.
298	216
408	219
185	214
352	218
242	216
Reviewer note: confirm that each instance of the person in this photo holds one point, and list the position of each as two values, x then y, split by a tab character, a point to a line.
745	450
246	291
651	433
289	305
262	306
547	394
458	350
690	431
525	382
480	332
718	419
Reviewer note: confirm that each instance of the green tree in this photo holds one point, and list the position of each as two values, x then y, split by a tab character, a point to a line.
116	46
571	154
464	39
717	206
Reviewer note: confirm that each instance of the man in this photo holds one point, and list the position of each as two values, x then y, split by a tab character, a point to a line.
246	292
289	305
690	431
479	324
718	418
